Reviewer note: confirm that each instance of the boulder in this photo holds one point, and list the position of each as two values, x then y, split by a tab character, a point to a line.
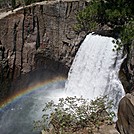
125	122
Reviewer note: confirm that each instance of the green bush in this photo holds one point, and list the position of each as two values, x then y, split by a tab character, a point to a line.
73	114
118	15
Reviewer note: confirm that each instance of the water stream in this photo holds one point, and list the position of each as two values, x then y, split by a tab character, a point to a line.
94	71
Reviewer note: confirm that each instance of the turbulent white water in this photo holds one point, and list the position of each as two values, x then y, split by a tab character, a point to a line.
94	71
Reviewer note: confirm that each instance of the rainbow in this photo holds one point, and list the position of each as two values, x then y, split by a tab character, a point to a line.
30	89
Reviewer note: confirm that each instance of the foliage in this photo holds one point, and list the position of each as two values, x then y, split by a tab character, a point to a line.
73	114
5	79
118	15
88	17
128	32
13	2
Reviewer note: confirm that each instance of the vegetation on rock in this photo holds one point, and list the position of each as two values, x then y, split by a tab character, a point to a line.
118	15
74	114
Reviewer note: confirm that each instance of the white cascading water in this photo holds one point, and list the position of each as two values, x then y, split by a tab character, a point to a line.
94	71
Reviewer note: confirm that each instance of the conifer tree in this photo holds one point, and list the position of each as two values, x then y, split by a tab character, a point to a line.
116	14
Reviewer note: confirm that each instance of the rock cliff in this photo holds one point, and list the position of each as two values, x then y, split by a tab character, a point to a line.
126	73
45	30
40	35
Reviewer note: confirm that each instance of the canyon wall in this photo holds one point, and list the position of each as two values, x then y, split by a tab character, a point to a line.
37	35
126	73
40	35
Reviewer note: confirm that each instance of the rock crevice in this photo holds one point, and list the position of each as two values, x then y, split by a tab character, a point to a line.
40	35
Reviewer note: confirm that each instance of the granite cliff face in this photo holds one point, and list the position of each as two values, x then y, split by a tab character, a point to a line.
39	36
126	73
42	35
39	33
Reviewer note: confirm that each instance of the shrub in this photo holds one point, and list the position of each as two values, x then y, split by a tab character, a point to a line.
73	114
116	14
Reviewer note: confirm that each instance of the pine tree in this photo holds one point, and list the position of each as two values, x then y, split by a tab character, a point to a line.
116	14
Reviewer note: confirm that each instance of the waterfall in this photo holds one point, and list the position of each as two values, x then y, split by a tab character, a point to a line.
94	71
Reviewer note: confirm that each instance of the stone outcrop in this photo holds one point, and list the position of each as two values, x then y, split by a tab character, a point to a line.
125	122
40	33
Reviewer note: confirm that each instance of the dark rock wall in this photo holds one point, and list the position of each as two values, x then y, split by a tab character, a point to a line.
126	73
39	36
41	33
